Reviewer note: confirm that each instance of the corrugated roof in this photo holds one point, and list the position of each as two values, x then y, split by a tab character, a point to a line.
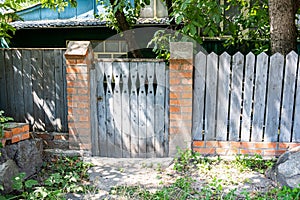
79	23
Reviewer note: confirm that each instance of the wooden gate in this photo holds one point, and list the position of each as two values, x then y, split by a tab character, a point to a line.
132	108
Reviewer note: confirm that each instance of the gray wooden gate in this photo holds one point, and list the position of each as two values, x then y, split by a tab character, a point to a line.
132	108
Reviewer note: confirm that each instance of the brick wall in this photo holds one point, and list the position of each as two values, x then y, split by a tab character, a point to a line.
227	148
79	58
15	132
181	93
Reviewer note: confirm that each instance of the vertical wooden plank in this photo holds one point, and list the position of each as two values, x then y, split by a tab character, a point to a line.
117	114
94	115
288	97
274	97
134	114
9	74
247	102
3	82
49	89
64	117
38	89
150	110
223	96
296	125
259	98
167	108
125	111
109	102
198	96
18	86
101	110
236	96
59	92
142	103
211	97
27	83
159	124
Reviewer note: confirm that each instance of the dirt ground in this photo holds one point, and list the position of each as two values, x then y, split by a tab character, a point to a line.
154	173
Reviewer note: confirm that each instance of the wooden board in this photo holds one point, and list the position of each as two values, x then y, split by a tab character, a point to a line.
211	97
198	96
9	74
288	97
3	82
142	104
117	107
247	101
223	97
296	125
236	96
259	98
125	111
159	124
150	110
274	97
59	90
27	83
110	125
101	110
167	108
134	114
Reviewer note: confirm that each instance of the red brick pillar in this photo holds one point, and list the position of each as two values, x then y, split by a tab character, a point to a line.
79	57
181	96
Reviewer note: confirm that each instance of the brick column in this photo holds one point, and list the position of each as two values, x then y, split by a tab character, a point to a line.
181	96
79	56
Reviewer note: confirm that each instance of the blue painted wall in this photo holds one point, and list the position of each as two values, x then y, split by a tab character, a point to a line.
86	9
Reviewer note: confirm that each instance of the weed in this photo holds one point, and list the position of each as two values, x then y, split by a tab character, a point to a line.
256	163
65	175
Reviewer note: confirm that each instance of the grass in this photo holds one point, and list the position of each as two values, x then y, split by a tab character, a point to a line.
188	163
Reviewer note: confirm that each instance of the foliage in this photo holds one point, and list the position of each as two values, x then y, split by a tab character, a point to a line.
3	120
65	175
243	26
256	163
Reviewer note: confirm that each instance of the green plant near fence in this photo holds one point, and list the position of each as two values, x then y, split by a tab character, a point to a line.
3	120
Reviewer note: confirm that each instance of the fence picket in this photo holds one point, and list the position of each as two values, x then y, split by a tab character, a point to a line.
159	127
101	109
198	96
125	111
59	91
296	125
288	97
223	96
49	86
117	114
236	96
150	110
211	96
134	114
18	85
247	101
259	97
27	82
3	93
142	109
110	125
274	97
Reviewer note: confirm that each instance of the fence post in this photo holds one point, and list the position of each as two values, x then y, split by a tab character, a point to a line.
79	57
181	96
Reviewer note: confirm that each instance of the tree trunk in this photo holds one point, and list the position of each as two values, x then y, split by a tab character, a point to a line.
283	29
128	34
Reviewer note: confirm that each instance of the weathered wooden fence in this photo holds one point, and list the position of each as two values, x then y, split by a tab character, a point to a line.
132	108
247	98
33	87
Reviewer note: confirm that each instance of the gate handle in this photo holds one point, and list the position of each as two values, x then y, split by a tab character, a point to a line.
99	98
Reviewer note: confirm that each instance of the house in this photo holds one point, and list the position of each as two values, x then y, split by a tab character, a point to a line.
42	27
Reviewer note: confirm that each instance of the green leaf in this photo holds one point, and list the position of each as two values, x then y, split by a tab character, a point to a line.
30	183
